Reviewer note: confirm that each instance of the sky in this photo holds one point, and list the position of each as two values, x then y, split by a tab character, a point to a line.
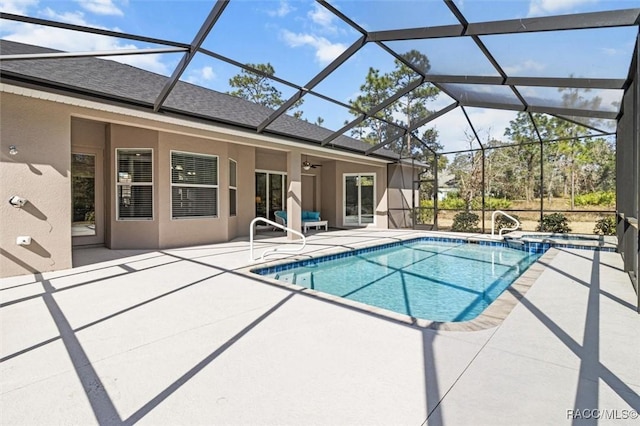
300	38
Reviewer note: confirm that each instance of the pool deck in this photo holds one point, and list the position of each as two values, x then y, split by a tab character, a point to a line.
184	336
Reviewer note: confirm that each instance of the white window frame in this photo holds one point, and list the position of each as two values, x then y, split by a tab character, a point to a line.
171	185
344	199
233	187
129	219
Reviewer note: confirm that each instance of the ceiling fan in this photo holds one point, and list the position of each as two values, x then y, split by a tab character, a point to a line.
306	165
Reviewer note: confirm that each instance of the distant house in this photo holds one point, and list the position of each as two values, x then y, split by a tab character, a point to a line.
446	183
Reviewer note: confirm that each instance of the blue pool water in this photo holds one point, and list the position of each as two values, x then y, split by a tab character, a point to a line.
433	280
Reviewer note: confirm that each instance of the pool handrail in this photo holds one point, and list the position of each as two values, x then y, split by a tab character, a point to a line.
493	223
268	252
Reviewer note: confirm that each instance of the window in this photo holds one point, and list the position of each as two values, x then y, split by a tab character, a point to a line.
194	185
134	184
359	199
233	188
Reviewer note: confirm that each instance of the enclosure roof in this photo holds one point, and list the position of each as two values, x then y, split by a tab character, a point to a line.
575	65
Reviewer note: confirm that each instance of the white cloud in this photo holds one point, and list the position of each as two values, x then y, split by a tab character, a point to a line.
283	9
453	125
325	50
547	7
610	51
75	18
200	76
321	16
72	41
100	7
527	66
17	7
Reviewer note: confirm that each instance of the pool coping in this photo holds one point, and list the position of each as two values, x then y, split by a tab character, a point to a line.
492	316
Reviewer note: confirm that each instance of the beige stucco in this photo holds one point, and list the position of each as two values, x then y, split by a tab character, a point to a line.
39	173
333	189
46	127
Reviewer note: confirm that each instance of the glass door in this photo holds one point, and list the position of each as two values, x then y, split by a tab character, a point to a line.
359	199
86	198
270	194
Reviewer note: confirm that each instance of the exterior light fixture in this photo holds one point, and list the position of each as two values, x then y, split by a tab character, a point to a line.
13	150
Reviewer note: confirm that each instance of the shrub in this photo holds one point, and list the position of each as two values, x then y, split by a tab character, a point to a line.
452	201
554	222
504	222
490	203
465	222
90	216
599	198
424	214
605	226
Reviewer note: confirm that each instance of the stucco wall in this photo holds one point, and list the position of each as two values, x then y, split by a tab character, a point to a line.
246	181
272	161
332	191
39	173
45	132
188	231
130	234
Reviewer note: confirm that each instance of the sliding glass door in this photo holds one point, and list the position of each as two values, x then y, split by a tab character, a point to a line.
270	193
359	199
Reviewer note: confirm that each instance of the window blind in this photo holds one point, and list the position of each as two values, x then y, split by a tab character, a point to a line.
135	183
194	185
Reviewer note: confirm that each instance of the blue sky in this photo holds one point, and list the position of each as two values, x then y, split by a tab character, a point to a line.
299	38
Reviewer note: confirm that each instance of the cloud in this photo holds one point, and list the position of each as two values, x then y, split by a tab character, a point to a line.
200	76
610	51
547	7
17	7
76	18
283	10
72	41
100	7
452	126
325	50
321	16
524	67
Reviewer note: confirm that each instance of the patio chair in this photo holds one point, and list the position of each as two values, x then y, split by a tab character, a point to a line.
281	218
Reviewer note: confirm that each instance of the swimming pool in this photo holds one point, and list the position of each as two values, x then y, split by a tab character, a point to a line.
426	278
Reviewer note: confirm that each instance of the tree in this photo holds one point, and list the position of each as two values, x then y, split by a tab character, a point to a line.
258	89
466	168
375	89
409	109
526	160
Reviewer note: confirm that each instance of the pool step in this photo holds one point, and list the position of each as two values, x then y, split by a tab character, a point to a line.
289	277
305	279
513	243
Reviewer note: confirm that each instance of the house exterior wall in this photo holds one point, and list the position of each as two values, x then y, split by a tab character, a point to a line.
246	191
131	234
46	128
40	172
191	231
333	189
401	195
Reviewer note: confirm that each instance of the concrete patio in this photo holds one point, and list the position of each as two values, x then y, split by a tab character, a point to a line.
182	336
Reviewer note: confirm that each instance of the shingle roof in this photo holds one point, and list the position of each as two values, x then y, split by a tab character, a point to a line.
124	83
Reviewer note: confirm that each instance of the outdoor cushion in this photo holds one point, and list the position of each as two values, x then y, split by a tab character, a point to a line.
308	216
